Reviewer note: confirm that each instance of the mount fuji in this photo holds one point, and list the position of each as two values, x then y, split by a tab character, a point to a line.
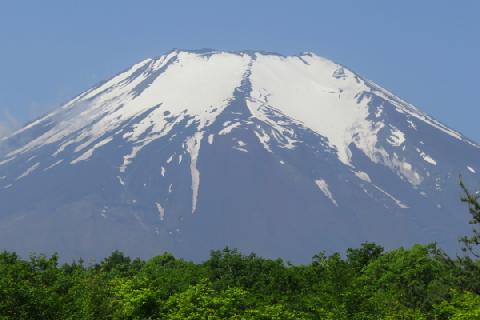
195	150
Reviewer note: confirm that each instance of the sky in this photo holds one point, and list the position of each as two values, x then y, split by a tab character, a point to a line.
427	52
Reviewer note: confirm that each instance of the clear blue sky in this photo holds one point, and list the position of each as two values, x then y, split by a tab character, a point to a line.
427	52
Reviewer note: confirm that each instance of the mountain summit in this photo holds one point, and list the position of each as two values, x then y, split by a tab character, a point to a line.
196	150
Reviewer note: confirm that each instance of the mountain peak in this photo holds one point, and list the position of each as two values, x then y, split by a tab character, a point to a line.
257	139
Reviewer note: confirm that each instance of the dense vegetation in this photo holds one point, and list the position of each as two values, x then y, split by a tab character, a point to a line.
365	283
419	283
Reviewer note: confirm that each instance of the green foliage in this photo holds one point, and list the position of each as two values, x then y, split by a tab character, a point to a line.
364	284
415	278
462	306
204	302
472	243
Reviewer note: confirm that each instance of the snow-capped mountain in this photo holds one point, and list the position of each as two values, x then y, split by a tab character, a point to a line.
195	150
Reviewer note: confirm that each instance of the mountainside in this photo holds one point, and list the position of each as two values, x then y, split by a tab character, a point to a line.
195	150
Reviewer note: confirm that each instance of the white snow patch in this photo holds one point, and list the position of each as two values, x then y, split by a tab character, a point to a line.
404	169
28	171
127	160
282	162
170	188
120	180
53	165
397	138
229	128
363	176
428	159
471	169
170	159
210	138
240	143
162	171
6	161
323	186
264	139
104	212
90	152
63	146
193	147
161	210
398	202
240	149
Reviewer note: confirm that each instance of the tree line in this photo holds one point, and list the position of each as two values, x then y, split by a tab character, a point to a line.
368	283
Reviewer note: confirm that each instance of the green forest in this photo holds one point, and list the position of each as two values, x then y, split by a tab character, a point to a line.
421	282
418	283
